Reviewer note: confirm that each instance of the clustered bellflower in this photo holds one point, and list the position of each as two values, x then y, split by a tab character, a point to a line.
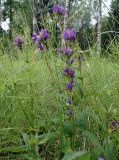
68	100
66	51
19	41
40	38
69	34
70	61
57	9
43	35
69	86
34	37
69	72
69	111
41	46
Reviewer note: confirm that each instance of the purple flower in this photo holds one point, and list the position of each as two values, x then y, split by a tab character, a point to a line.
43	35
100	158
70	61
41	46
34	37
69	111
69	72
19	41
66	50
69	34
68	100
69	85
58	9
79	57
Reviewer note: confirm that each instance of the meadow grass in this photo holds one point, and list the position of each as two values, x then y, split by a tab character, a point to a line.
31	95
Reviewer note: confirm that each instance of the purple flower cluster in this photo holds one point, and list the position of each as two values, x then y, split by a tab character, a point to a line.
79	57
58	10
69	72
19	41
69	111
68	100
69	85
41	46
69	34
40	38
66	50
34	37
43	35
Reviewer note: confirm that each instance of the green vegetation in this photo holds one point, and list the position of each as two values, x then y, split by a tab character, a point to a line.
59	87
30	103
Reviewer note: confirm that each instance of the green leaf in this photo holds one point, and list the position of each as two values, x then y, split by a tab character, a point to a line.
92	137
45	137
77	155
19	149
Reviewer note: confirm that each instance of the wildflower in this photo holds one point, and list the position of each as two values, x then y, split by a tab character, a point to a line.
66	50
79	57
114	124
100	158
69	111
34	37
69	34
19	41
41	46
69	72
43	35
69	86
59	50
71	61
68	100
58	10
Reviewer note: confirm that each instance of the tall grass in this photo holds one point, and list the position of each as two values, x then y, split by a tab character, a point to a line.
30	101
